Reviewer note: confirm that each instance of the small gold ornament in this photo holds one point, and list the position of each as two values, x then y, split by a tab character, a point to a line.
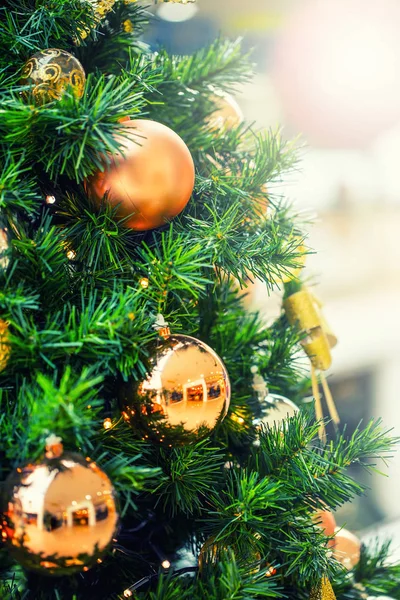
49	73
275	409
303	310
323	591
211	551
347	548
4	246
4	345
185	395
60	513
227	113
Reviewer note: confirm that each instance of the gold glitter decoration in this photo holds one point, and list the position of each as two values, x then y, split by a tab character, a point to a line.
185	395
60	513
49	73
128	26
102	7
4	345
323	591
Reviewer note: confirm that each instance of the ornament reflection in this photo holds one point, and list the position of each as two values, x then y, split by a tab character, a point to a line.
185	395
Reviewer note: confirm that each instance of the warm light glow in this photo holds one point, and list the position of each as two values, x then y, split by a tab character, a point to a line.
144	282
239	420
177	12
336	70
50	199
107	424
165	564
127	593
71	254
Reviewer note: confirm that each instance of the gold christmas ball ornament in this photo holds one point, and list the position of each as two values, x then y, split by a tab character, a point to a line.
50	73
4	345
227	113
274	410
4	246
347	548
185	395
152	181
60	514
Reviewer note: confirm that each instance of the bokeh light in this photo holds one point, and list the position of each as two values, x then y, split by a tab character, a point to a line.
337	70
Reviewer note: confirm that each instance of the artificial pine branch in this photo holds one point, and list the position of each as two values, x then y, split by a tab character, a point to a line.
80	321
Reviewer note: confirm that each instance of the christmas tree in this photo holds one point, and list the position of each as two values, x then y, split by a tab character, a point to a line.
148	446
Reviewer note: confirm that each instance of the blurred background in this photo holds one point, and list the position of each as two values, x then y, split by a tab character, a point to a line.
330	71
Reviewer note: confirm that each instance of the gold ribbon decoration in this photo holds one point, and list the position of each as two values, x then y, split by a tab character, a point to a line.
303	310
323	591
4	345
100	9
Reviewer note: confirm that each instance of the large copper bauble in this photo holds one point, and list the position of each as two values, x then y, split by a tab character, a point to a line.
185	395
274	410
59	515
49	73
152	181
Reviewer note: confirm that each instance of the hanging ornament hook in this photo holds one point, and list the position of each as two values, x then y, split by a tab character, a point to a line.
162	326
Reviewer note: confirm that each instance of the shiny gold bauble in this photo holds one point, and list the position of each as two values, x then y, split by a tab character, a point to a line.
227	113
185	395
4	246
59	515
211	551
347	548
50	73
275	409
152	181
4	345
